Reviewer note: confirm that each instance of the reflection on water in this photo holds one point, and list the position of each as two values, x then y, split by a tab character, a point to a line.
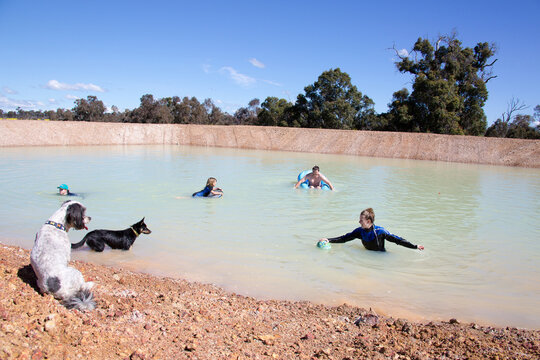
478	224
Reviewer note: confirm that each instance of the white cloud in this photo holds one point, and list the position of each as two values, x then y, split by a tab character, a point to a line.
206	68
403	53
240	79
9	91
72	97
56	85
13	104
52	101
272	82
257	63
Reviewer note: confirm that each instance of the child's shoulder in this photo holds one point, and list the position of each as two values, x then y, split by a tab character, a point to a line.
379	228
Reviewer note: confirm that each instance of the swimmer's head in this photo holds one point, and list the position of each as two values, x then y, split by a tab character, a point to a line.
211	181
315	168
367	218
63	189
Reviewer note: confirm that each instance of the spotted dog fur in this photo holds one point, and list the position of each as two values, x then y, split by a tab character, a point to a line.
51	254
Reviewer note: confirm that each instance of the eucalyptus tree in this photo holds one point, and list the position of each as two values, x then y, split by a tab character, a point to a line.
501	126
332	102
274	112
151	111
64	114
248	115
449	87
522	128
89	109
512	125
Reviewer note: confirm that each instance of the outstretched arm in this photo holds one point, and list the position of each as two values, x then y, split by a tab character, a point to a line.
336	240
344	238
401	241
299	182
325	179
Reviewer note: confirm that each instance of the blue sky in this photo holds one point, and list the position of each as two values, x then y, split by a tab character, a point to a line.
53	52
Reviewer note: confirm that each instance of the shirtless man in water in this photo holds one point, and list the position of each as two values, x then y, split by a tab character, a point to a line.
314	178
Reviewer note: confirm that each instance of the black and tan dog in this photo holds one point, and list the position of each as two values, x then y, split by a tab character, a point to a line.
116	239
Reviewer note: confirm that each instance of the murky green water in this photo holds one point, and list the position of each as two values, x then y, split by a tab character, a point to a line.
479	225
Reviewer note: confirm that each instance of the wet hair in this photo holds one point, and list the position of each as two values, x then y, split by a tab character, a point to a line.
369	213
315	168
211	181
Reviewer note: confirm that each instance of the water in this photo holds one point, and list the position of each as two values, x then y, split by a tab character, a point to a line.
478	223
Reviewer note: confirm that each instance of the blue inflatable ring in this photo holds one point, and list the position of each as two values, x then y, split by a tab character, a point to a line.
305	184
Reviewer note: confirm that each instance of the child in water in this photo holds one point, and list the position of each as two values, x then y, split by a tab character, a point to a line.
372	236
210	189
64	191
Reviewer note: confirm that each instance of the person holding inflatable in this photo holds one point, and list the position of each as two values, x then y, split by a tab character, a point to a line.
372	236
314	179
210	189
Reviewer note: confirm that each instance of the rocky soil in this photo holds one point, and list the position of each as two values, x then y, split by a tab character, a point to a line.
139	316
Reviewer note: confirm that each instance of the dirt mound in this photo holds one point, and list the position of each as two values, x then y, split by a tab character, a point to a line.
465	149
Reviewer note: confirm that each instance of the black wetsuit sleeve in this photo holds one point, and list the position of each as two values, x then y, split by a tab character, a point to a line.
344	238
400	241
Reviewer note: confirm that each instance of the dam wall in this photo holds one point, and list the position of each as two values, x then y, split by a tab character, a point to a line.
450	148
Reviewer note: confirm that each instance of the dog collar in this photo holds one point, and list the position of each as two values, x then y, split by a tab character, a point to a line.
134	231
56	225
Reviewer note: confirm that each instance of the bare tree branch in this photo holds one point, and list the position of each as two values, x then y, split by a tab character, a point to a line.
397	52
513	106
494	61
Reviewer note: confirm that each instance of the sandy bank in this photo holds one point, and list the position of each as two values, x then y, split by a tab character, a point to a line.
465	149
139	316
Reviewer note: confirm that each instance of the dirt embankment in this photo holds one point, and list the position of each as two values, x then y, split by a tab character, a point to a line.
465	149
139	316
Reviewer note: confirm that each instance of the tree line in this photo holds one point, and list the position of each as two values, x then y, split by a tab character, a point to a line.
448	94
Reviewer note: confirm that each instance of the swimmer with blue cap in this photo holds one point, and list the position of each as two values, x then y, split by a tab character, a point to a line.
64	191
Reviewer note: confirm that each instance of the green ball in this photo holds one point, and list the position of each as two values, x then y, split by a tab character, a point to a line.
324	245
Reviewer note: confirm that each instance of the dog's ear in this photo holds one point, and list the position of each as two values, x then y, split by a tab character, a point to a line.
75	216
142	220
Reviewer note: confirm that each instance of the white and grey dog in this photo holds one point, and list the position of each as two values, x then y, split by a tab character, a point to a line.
51	254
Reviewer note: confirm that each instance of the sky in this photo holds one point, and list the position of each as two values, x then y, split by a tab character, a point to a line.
54	52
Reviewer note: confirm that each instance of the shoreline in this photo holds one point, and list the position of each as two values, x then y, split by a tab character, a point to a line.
139	316
381	308
416	146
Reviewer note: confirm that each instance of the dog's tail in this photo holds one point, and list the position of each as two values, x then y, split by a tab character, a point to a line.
79	244
83	300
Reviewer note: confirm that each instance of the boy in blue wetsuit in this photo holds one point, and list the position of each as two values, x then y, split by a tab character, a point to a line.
372	236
